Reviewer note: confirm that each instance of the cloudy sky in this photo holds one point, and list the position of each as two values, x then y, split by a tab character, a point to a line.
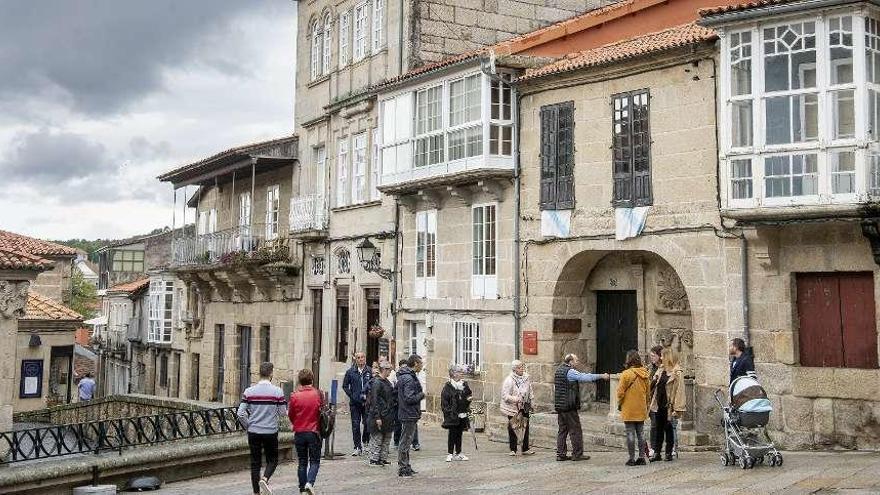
97	97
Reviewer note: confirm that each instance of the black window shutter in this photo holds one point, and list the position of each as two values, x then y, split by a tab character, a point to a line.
565	157
621	152
549	116
641	149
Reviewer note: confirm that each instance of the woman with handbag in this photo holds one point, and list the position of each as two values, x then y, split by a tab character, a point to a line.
632	401
516	398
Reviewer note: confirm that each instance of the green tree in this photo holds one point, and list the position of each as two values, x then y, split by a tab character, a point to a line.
84	297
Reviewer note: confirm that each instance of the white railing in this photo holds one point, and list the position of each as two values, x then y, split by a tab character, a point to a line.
308	212
214	247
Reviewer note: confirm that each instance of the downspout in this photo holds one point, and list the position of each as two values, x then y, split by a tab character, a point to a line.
394	275
744	262
400	39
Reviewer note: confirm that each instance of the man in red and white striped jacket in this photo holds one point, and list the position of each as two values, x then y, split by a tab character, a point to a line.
261	406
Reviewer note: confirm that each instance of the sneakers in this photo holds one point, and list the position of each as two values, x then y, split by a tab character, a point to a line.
667	458
513	453
641	461
529	452
356	452
655	458
417	447
563	458
309	489
264	487
630	462
450	458
461	457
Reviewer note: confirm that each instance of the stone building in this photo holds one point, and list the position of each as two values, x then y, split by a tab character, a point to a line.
54	283
125	308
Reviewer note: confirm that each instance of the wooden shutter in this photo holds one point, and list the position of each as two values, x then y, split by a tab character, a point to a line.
549	121
565	157
818	304
858	319
631	149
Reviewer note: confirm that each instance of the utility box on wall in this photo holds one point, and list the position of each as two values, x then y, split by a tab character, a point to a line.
530	342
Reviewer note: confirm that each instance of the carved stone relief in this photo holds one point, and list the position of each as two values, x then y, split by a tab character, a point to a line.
13	298
671	294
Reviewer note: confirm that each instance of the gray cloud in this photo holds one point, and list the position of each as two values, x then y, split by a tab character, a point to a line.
100	56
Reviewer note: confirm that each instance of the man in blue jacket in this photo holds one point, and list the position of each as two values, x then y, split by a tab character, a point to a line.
409	399
741	361
357	386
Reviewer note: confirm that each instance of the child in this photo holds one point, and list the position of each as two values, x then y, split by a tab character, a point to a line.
632	400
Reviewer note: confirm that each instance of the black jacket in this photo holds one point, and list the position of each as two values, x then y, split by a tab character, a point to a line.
739	367
409	395
383	405
454	402
356	385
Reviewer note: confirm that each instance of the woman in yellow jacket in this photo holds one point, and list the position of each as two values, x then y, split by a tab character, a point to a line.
632	400
668	402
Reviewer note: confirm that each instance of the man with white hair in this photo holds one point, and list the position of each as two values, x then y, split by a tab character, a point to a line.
567	402
516	397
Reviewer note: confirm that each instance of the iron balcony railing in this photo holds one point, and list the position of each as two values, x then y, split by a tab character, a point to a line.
115	434
308	212
226	245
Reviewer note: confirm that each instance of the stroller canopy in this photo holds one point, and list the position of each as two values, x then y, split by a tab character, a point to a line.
747	395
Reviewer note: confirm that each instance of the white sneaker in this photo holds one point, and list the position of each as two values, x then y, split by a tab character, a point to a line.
450	458
264	487
529	452
309	489
461	457
512	453
355	452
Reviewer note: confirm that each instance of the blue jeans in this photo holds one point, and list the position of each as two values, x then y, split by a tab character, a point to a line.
358	418
308	451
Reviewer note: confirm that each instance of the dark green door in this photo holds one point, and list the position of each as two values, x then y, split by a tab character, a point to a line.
615	334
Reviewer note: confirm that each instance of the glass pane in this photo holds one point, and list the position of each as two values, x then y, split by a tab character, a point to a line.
873	111
805	177
776	176
741	179
741	125
874	173
844	113
792	119
840	42
843	172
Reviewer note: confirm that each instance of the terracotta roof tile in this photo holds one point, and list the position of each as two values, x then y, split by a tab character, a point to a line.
723	9
674	37
11	259
40	307
39	247
131	287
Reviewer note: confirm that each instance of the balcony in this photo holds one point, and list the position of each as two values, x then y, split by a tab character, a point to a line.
451	173
230	246
308	216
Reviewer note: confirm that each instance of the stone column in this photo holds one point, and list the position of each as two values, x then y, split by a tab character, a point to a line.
13	297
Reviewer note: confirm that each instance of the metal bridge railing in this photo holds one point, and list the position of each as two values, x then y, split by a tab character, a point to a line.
115	434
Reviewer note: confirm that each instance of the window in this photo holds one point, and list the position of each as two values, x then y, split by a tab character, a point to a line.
208	221
265	345
342	173
359	168
468	348
360	32
163	371
128	260
317	265
343	261
397	116
375	170
344	37
501	119
429	127
325	64
161	297
341	346
273	204
316	49
484	283
631	143
378	25
464	101
244	209
320	169
837	326
802	149
557	156
426	254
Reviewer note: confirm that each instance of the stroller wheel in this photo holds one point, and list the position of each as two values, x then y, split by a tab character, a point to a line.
725	459
744	462
778	458
752	462
772	461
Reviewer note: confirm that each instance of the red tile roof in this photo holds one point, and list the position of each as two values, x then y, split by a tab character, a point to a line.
40	307
39	247
723	9
11	259
131	287
675	37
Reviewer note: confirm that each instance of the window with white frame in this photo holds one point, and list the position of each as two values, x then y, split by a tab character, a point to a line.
468	346
429	127
484	281
360	31
375	169
397	115
316	52
501	119
378	25
325	57
342	172
273	205
344	37
161	297
792	90
359	168
320	169
207	221
244	210
465	131
426	254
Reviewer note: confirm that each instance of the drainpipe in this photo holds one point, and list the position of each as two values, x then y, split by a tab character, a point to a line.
394	276
400	40
745	289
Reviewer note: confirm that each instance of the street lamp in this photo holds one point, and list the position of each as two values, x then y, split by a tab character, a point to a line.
371	259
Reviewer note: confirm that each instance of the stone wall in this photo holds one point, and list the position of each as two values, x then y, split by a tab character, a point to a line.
55	283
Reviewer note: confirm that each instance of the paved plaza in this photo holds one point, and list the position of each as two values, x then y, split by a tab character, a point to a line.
491	470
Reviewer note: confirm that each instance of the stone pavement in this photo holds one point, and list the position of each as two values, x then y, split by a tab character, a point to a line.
491	470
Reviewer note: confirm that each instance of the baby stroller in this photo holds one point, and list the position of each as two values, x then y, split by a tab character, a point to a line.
745	420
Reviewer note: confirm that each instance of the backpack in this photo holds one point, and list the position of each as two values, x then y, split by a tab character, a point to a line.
326	418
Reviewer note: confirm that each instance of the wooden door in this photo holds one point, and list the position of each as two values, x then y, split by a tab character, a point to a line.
244	358
317	333
616	333
372	300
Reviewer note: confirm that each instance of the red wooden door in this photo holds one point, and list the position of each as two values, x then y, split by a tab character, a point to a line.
859	320
818	303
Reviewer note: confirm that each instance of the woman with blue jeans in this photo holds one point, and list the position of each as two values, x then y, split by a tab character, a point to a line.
304	414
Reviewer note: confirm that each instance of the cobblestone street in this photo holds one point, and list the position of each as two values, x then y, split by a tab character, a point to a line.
491	470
